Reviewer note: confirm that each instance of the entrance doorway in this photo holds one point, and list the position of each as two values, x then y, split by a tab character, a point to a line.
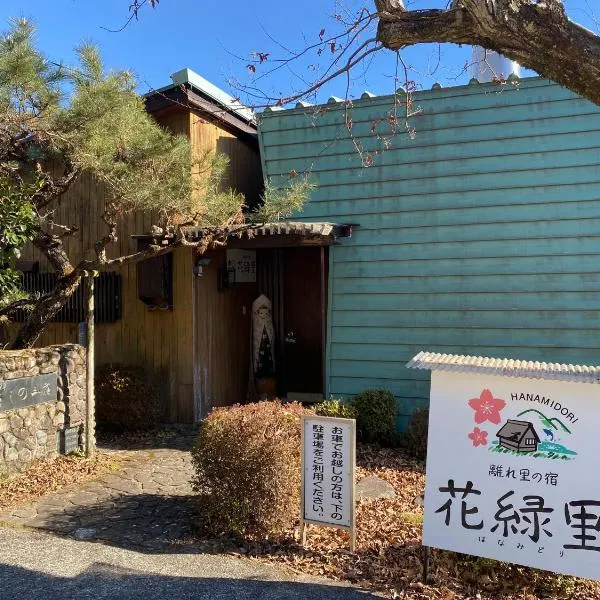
295	279
290	261
304	312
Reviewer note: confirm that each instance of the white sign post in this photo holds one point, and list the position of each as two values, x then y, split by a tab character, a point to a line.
328	465
512	462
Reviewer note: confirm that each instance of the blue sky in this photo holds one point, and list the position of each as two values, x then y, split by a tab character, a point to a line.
191	33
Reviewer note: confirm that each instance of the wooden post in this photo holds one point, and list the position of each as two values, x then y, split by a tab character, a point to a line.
323	283
90	434
426	558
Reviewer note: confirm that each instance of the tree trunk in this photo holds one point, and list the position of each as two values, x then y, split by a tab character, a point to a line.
69	277
45	310
47	307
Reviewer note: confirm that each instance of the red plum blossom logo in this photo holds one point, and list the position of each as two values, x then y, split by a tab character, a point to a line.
487	408
478	437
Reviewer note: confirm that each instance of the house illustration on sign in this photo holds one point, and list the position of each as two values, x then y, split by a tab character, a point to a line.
519	436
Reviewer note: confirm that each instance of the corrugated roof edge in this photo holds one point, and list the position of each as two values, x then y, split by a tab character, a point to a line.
472	88
507	367
216	94
302	228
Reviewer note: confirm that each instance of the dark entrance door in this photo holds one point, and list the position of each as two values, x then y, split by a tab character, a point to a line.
304	312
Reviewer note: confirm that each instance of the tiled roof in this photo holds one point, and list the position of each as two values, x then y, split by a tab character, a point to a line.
512	80
507	367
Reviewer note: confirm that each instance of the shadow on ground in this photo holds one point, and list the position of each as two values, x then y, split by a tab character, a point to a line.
151	522
105	581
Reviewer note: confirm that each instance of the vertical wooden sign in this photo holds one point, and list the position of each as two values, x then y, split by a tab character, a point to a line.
328	474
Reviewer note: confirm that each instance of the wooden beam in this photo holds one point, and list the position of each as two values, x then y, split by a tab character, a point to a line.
278	241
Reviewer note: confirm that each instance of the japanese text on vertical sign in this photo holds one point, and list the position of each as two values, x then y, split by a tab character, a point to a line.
243	264
317	468
337	469
328	477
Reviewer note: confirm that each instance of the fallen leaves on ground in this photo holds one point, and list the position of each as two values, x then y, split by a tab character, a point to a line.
389	556
137	440
48	476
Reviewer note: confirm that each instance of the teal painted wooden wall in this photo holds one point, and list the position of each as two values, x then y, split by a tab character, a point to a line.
479	236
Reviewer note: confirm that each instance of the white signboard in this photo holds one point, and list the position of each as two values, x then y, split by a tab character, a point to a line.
328	464
512	471
241	266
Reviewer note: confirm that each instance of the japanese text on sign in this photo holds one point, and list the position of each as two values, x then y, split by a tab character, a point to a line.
241	265
511	471
27	391
328	477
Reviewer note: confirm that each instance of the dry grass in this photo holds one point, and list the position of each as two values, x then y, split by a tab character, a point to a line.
48	476
389	553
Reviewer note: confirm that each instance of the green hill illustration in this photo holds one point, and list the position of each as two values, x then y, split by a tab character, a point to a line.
546	422
546	448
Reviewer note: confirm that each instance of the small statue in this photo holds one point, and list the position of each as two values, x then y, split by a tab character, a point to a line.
263	348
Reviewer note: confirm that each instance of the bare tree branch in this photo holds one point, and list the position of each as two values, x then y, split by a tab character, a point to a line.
355	58
538	35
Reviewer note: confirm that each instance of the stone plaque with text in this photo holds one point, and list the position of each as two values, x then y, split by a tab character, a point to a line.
27	391
70	440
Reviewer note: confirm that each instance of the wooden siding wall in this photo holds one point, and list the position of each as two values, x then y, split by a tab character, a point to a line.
245	174
481	235
82	206
222	344
162	341
159	341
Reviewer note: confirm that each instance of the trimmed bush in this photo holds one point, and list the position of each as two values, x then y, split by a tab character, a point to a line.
375	416
415	438
125	399
247	469
335	408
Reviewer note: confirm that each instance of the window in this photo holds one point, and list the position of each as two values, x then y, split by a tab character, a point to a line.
529	442
107	297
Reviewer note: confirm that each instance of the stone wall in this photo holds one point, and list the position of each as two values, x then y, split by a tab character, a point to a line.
34	429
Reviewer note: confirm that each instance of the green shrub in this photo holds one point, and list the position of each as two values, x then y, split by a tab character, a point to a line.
375	416
335	408
415	438
125	399
247	468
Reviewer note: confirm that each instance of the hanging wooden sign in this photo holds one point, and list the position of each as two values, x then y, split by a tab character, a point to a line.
241	266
